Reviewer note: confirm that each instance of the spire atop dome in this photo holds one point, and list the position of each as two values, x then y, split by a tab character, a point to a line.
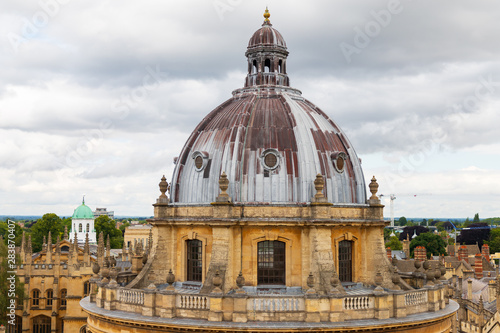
266	17
83	200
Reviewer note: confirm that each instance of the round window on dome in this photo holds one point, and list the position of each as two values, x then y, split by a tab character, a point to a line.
338	160
270	159
200	160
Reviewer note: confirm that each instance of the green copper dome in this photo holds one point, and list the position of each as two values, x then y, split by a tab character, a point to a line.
83	212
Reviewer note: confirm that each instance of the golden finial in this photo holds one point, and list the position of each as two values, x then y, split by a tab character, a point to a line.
266	16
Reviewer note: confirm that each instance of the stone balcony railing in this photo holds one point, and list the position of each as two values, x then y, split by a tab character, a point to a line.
240	306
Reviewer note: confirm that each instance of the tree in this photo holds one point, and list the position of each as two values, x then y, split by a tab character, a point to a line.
394	244
434	244
494	241
49	222
18	232
402	221
477	233
410	230
108	227
476	218
5	291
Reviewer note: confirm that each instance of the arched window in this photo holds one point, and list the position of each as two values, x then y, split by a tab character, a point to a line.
35	297
345	261
280	66
83	329
267	65
41	324
50	296
65	248
271	262
88	227
17	328
64	293
86	288
80	227
194	260
254	66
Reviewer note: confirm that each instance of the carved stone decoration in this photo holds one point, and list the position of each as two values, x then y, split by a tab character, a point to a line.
163	189
378	282
145	258
217	283
112	261
113	273
319	185
170	280
240	280
223	197
310	284
417	264
96	268
374	200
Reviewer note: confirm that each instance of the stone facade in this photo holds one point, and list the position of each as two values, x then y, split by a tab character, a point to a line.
55	281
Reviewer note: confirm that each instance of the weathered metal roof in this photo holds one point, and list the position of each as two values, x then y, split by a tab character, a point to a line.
269	140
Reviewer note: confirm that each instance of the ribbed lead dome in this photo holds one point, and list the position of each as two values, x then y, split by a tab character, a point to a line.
269	140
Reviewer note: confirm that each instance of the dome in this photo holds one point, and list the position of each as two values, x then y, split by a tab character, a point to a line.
269	140
266	36
83	212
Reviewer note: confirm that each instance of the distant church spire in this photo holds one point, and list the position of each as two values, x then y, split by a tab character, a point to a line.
83	200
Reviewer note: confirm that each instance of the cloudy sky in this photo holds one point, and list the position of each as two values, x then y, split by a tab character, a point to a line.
98	97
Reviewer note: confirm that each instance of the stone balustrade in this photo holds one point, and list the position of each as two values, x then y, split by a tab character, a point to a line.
193	302
243	307
358	303
415	298
130	296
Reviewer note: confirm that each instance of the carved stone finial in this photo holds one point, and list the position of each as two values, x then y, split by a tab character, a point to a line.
163	189
240	282
379	279
65	237
319	184
374	200
217	282
310	283
170	279
223	197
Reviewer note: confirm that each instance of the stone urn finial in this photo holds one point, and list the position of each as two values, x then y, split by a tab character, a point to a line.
217	283
163	189
310	283
379	279
319	185
223	186
96	268
374	200
170	280
240	282
335	283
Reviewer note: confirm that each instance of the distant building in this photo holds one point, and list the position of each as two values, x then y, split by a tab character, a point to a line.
82	222
104	211
136	233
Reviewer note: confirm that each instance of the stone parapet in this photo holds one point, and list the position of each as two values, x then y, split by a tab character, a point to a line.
271	308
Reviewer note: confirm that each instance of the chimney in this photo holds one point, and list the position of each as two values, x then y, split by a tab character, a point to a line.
420	253
486	252
469	289
463	253
478	266
389	253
